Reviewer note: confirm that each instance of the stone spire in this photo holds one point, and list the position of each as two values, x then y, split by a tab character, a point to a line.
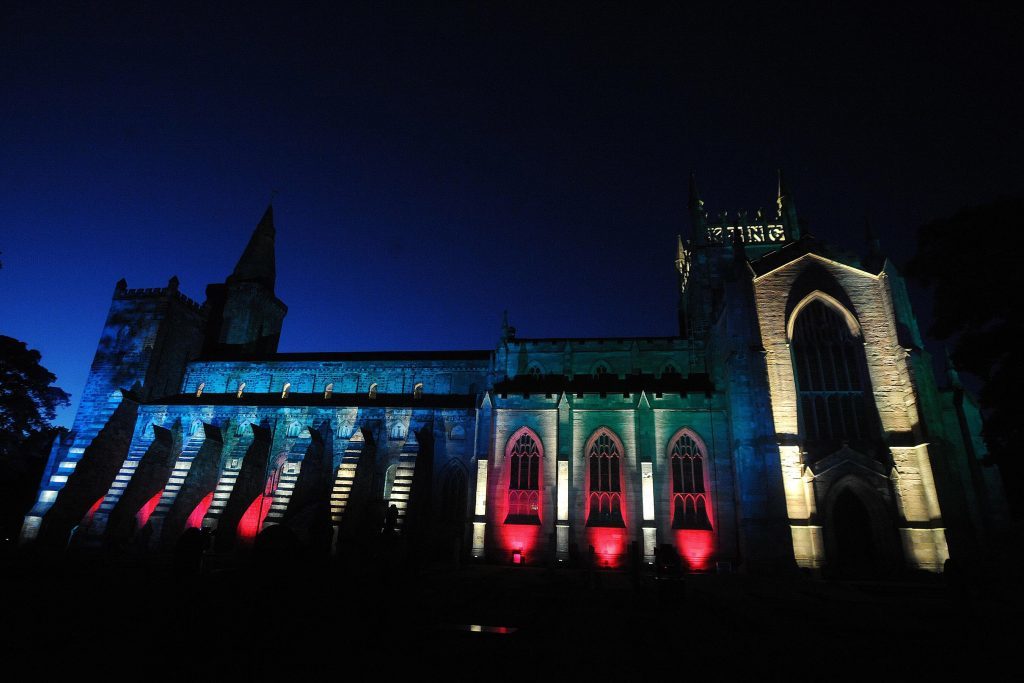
508	332
787	210
257	263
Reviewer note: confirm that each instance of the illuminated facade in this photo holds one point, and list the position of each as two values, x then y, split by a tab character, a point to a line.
795	421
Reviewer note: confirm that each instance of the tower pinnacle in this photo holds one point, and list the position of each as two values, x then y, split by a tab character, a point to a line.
787	210
257	263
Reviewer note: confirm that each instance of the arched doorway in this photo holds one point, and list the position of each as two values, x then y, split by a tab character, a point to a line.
855	552
860	537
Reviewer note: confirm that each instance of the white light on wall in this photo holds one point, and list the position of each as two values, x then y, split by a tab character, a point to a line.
478	538
563	490
647	489
481	488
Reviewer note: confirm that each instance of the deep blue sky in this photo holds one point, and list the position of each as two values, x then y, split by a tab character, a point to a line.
437	166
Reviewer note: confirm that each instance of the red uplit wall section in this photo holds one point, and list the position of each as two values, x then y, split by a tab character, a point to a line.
251	522
195	520
142	516
696	547
87	520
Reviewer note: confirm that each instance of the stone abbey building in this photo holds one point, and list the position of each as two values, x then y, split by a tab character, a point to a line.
795	421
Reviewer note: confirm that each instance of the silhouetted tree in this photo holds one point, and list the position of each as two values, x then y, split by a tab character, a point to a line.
969	264
27	401
27	405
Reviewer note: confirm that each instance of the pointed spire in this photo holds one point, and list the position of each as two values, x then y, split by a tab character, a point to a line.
257	263
507	331
787	210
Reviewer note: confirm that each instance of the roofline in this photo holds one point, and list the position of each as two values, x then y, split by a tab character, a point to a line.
468	354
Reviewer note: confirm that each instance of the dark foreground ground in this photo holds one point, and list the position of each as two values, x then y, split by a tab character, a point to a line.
133	622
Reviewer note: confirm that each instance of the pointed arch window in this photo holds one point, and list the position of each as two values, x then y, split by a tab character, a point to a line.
294	428
535	371
398	431
831	378
417	391
373	390
523	455
329	390
604	479
689	483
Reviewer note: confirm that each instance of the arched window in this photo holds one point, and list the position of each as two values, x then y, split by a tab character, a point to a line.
604	479
398	431
601	370
243	428
294	428
831	380
458	433
689	490
523	459
345	431
199	389
669	369
241	388
417	391
535	371
196	426
284	391
329	390
373	390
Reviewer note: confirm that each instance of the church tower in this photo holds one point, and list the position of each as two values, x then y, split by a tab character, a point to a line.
245	316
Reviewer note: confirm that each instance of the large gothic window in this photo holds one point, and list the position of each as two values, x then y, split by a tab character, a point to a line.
604	479
523	458
689	491
832	384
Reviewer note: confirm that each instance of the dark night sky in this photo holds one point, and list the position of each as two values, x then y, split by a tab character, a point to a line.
437	166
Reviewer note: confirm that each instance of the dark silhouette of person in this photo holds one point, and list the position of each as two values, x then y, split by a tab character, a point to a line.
391	520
